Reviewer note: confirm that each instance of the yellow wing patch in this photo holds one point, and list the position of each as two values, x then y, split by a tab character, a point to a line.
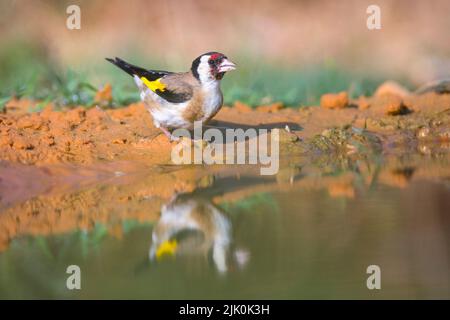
154	85
168	247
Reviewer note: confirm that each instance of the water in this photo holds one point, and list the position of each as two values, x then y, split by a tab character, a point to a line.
310	232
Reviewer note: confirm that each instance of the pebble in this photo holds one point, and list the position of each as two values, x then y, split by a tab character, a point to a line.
334	100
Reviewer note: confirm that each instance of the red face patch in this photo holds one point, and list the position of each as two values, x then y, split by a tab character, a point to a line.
214	61
216	56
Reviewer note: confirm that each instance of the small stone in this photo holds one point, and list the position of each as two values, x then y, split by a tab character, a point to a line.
334	101
392	88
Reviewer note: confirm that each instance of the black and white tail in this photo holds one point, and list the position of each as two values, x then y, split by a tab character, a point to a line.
133	70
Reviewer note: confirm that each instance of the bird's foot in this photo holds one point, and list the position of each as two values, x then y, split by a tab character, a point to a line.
169	136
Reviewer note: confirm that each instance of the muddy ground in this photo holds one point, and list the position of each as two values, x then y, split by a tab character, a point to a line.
58	167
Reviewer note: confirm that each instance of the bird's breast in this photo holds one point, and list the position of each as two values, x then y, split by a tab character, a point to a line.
195	110
204	104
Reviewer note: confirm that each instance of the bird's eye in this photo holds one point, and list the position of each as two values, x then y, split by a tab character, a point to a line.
211	62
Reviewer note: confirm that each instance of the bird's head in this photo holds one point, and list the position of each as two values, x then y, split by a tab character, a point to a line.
211	66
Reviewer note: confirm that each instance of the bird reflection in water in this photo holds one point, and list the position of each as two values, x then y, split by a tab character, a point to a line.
191	225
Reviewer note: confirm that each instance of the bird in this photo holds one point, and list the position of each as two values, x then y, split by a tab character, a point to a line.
178	99
191	225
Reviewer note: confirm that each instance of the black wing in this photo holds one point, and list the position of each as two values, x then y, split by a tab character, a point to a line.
153	76
133	70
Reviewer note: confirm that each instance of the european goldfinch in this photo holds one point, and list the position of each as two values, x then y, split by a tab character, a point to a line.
177	99
190	225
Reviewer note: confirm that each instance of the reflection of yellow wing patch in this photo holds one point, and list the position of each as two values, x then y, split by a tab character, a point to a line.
154	85
166	248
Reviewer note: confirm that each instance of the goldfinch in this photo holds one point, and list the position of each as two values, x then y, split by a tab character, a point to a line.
178	99
190	225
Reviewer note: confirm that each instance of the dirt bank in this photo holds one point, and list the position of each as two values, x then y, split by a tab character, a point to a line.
81	136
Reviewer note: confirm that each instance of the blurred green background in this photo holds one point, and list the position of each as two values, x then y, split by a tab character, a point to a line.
289	51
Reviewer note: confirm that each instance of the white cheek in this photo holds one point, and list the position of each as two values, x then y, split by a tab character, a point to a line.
204	70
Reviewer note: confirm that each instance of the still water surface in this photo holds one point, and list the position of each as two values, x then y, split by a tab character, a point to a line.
309	233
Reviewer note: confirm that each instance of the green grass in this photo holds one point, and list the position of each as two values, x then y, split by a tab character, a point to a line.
302	86
27	72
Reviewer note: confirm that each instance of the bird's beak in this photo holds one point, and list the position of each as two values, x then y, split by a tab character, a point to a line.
226	65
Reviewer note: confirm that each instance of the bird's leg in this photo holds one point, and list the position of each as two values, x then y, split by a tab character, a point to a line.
168	134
